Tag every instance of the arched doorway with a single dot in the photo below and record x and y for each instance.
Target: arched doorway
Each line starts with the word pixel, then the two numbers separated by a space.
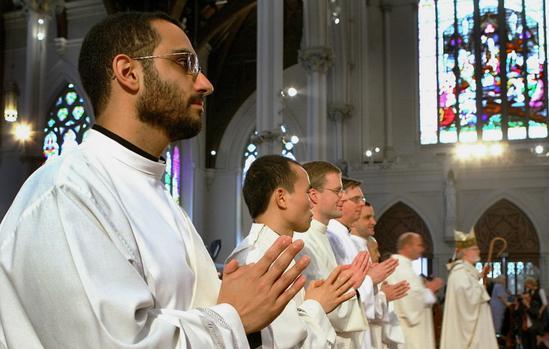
pixel 521 259
pixel 398 219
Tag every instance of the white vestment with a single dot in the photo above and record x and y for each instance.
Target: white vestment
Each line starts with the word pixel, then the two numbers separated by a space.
pixel 385 327
pixel 348 318
pixel 467 322
pixel 345 252
pixel 302 323
pixel 94 253
pixel 414 310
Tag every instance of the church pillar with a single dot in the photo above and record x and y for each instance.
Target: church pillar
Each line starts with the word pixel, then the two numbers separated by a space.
pixel 316 57
pixel 270 35
pixel 339 106
pixel 388 150
pixel 337 114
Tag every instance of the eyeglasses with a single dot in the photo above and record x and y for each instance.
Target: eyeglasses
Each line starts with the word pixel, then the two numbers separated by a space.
pixel 356 199
pixel 186 60
pixel 338 191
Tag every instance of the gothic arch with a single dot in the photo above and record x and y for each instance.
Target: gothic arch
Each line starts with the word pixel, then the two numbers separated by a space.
pixel 396 220
pixel 507 220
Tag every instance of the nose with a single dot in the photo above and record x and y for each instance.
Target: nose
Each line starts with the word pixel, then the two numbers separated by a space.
pixel 202 85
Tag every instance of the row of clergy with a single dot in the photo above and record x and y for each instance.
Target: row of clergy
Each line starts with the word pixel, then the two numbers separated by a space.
pixel 351 299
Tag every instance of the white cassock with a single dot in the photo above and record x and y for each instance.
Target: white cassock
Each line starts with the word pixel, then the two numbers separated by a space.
pixel 414 310
pixel 94 253
pixel 302 323
pixel 345 251
pixel 348 318
pixel 385 327
pixel 467 322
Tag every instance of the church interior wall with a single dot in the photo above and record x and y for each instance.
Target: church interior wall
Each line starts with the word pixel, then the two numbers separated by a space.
pixel 412 173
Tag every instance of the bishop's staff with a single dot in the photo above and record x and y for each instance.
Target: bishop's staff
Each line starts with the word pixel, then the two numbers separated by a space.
pixel 491 253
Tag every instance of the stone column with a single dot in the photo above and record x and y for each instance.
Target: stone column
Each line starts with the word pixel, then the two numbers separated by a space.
pixel 270 36
pixel 338 112
pixel 388 150
pixel 316 57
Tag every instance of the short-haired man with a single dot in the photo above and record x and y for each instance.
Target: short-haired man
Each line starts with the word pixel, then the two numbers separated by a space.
pixel 364 227
pixel 339 235
pixel 326 192
pixel 276 191
pixel 414 310
pixel 94 253
pixel 362 234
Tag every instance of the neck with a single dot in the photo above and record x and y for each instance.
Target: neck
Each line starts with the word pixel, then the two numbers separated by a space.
pixel 128 126
pixel 344 222
pixel 320 217
pixel 276 224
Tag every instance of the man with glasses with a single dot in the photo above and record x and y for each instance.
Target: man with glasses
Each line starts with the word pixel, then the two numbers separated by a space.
pixel 94 253
pixel 325 194
pixel 339 235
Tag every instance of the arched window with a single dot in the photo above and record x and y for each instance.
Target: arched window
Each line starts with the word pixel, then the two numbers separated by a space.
pixel 251 152
pixel 482 70
pixel 67 123
pixel 172 175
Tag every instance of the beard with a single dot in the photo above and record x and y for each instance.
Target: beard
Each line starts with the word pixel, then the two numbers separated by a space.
pixel 161 106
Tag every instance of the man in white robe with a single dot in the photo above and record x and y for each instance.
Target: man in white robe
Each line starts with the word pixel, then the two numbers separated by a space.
pixel 326 192
pixel 94 253
pixel 467 321
pixel 385 329
pixel 345 250
pixel 276 192
pixel 415 310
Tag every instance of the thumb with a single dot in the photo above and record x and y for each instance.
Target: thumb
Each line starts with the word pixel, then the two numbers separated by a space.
pixel 230 267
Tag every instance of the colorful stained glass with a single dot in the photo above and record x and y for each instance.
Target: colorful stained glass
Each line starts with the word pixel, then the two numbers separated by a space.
pixel 172 173
pixel 67 125
pixel 490 61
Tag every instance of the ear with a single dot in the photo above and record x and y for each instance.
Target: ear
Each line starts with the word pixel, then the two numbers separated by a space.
pixel 280 198
pixel 313 196
pixel 126 72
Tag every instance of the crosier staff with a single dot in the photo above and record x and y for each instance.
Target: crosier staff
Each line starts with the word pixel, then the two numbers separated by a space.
pixel 490 254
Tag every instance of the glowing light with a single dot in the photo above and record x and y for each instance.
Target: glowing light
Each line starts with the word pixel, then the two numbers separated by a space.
pixel 496 149
pixel 368 153
pixel 213 153
pixel 292 92
pixel 478 151
pixel 22 132
pixel 336 21
pixel 294 139
pixel 538 149
pixel 377 150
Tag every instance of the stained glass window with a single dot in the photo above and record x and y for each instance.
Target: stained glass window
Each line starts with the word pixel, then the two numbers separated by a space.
pixel 482 70
pixel 172 174
pixel 67 124
pixel 251 152
pixel 516 273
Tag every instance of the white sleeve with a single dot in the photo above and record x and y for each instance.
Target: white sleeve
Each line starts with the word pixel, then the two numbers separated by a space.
pixel 429 297
pixel 381 307
pixel 64 284
pixel 366 292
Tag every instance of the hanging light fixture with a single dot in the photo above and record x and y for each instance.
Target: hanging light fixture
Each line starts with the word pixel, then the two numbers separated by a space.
pixel 11 96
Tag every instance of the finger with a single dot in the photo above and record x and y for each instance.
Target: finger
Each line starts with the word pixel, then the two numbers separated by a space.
pixel 343 278
pixel 344 287
pixel 283 299
pixel 289 276
pixel 346 296
pixel 230 267
pixel 283 261
pixel 278 247
pixel 334 274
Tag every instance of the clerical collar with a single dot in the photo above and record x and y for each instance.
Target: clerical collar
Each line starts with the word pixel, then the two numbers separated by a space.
pixel 125 143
